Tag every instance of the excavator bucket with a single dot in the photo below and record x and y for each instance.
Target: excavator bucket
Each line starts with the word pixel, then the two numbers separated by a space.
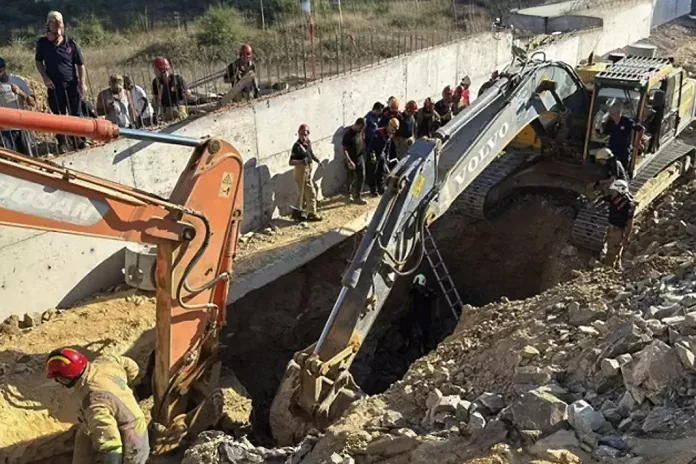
pixel 287 423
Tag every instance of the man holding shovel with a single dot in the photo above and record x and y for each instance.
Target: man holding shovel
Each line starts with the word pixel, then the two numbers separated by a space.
pixel 301 157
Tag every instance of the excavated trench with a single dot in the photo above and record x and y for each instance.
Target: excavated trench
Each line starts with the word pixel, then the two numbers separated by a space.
pixel 522 251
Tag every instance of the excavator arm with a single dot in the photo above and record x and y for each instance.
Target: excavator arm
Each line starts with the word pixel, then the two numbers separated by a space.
pixel 195 231
pixel 317 386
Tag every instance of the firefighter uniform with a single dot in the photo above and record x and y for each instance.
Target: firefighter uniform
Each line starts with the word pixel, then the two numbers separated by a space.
pixel 110 419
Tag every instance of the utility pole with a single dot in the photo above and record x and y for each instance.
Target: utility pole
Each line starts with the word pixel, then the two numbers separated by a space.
pixel 263 18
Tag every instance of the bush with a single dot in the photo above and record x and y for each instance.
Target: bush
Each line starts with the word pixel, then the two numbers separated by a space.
pixel 90 31
pixel 220 28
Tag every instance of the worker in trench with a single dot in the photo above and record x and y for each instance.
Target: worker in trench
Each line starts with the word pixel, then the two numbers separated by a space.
pixel 301 158
pixel 622 208
pixel 112 428
pixel 419 320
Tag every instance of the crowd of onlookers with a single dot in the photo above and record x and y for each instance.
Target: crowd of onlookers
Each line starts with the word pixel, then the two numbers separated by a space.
pixel 61 65
pixel 375 143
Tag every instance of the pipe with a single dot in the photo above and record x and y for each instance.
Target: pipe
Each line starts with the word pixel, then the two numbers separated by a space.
pixel 97 129
pixel 160 137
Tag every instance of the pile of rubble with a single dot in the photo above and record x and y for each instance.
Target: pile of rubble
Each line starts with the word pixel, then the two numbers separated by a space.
pixel 584 372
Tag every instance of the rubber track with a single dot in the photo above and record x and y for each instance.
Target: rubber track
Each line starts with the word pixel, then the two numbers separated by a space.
pixel 590 226
pixel 474 197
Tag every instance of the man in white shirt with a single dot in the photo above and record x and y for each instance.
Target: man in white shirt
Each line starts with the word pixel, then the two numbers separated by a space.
pixel 114 103
pixel 15 93
pixel 141 104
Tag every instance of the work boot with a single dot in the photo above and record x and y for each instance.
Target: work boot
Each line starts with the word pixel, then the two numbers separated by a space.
pixel 314 217
pixel 358 201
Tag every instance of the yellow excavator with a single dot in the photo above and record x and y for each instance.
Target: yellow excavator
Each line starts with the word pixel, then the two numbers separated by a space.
pixel 535 128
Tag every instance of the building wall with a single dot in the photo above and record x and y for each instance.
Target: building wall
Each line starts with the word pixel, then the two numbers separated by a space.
pixel 667 10
pixel 41 270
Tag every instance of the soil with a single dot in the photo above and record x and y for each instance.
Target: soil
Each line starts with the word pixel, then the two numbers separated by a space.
pixel 676 39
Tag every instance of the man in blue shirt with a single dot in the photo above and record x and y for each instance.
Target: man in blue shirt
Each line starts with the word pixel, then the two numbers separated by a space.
pixel 372 121
pixel 61 65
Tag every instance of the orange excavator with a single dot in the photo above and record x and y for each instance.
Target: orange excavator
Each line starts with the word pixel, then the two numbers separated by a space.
pixel 195 231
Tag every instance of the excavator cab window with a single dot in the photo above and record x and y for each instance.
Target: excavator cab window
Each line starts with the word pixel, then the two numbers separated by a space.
pixel 605 98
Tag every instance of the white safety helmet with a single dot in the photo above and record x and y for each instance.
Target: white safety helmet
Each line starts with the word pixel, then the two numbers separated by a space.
pixel 419 280
pixel 620 186
pixel 603 154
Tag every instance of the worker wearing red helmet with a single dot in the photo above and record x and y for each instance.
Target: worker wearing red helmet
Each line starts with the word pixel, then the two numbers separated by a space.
pixel 406 134
pixel 239 68
pixel 301 158
pixel 113 428
pixel 444 106
pixel 427 119
pixel 169 92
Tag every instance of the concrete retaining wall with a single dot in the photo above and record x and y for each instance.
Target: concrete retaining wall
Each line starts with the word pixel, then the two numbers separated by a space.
pixel 43 269
pixel 667 10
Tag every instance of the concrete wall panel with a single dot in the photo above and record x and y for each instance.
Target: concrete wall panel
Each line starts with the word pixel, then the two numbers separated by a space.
pixel 667 10
pixel 359 91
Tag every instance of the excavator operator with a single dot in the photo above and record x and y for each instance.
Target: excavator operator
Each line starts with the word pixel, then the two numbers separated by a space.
pixel 112 429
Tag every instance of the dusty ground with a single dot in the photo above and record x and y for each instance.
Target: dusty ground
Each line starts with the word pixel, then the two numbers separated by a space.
pixel 676 39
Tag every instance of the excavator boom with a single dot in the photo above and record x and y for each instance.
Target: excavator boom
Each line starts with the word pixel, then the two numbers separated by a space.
pixel 195 230
pixel 317 386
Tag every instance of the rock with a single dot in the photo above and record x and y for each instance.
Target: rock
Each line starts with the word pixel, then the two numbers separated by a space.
pixel 613 416
pixel 20 368
pixel 588 330
pixel 601 327
pixel 554 448
pixel 49 315
pixel 529 437
pixel 626 338
pixel 659 419
pixel 624 359
pixel 463 410
pixel 538 410
pixel 604 451
pixel 686 355
pixel 674 320
pixel 338 459
pixel 391 445
pixel 434 398
pixel 585 420
pixel 613 441
pixel 529 352
pixel 392 419
pixel 657 370
pixel 30 320
pixel 494 403
pixel 610 367
pixel 531 375
pixel 581 316
pixel 625 424
pixel 688 300
pixel 690 320
pixel 476 422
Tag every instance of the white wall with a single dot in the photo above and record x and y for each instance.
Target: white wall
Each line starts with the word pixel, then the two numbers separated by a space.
pixel 42 269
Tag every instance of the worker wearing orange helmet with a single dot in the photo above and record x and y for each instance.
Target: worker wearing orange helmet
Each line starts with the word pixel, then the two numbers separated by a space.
pixel 427 119
pixel 444 105
pixel 239 68
pixel 406 135
pixel 169 92
pixel 113 428
pixel 379 152
pixel 301 158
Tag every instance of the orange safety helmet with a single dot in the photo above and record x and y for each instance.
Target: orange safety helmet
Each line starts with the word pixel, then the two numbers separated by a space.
pixel 303 128
pixel 412 106
pixel 447 91
pixel 161 63
pixel 65 363
pixel 245 50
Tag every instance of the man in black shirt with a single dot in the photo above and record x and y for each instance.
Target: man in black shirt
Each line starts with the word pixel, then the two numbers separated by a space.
pixel 427 120
pixel 444 106
pixel 61 65
pixel 240 68
pixel 620 130
pixel 353 149
pixel 301 157
pixel 622 207
pixel 169 93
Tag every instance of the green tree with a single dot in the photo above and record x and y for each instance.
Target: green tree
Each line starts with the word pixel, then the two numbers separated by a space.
pixel 220 27
pixel 90 31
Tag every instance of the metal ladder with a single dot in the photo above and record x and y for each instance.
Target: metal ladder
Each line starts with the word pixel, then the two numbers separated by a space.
pixel 442 275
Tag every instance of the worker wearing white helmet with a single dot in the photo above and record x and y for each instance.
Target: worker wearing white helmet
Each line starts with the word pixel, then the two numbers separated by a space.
pixel 622 208
pixel 612 169
pixel 420 315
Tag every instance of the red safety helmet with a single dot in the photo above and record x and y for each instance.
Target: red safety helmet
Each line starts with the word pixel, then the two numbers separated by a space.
pixel 161 63
pixel 447 91
pixel 303 127
pixel 245 50
pixel 412 106
pixel 459 90
pixel 65 363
